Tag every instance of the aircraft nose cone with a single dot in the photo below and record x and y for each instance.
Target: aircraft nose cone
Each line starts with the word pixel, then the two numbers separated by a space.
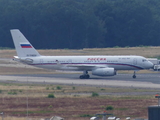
pixel 150 65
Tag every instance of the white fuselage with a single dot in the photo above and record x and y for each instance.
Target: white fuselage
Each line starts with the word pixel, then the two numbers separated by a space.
pixel 80 63
pixel 99 65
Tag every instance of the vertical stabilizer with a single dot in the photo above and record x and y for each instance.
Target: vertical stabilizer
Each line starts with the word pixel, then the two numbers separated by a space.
pixel 22 45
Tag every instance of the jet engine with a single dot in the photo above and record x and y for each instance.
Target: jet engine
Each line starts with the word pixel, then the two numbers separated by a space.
pixel 104 72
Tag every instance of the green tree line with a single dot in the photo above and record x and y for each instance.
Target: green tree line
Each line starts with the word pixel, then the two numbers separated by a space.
pixel 79 24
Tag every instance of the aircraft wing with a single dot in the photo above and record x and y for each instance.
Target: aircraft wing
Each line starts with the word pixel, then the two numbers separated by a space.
pixel 86 66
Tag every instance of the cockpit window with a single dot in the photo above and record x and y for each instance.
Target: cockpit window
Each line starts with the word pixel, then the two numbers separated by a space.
pixel 144 60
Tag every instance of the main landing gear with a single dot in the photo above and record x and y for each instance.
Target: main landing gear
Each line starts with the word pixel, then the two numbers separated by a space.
pixel 134 75
pixel 85 75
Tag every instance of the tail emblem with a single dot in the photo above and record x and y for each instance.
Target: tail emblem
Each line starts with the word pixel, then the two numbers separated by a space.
pixel 26 46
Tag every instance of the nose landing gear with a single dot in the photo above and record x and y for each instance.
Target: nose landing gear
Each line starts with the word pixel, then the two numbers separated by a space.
pixel 134 75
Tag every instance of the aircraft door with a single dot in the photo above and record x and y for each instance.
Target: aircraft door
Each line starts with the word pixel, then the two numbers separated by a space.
pixel 135 61
pixel 41 61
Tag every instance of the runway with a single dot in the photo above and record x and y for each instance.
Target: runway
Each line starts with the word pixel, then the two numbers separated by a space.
pixel 151 80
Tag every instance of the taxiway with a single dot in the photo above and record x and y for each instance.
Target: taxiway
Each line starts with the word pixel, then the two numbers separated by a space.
pixel 151 80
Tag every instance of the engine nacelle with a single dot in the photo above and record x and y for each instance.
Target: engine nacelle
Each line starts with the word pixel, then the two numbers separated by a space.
pixel 104 72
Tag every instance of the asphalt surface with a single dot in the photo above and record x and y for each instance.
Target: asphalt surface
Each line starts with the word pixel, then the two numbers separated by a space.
pixel 151 80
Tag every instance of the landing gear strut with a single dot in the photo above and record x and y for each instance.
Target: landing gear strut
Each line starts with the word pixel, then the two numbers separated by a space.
pixel 134 75
pixel 85 75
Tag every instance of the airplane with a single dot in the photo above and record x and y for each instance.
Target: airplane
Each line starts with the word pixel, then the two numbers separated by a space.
pixel 98 65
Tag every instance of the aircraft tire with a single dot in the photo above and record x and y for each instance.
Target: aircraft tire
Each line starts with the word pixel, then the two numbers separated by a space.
pixel 134 76
pixel 81 77
pixel 84 76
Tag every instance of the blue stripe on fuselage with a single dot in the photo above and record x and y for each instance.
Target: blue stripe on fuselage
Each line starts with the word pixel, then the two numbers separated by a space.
pixel 118 64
